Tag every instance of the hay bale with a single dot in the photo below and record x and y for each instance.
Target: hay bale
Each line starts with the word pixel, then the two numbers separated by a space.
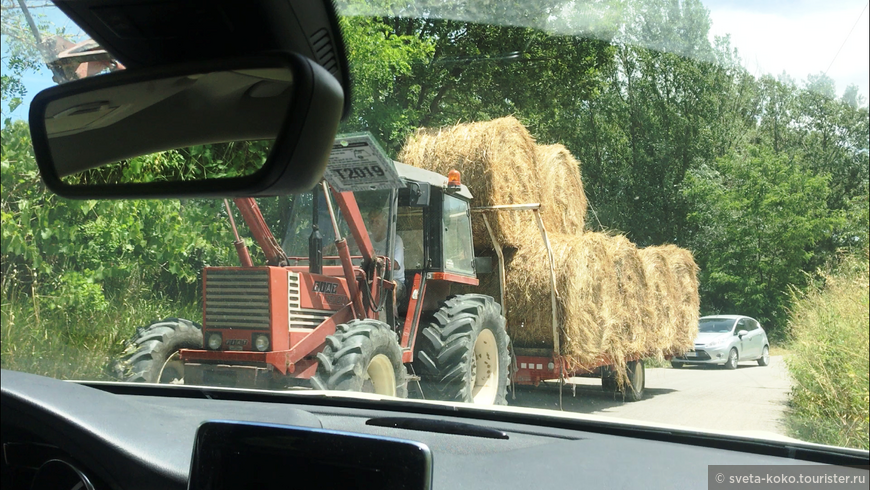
pixel 587 288
pixel 497 162
pixel 688 301
pixel 662 291
pixel 563 201
pixel 614 301
pixel 634 313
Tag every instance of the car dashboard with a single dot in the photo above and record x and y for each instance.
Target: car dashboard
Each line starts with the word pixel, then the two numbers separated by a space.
pixel 125 436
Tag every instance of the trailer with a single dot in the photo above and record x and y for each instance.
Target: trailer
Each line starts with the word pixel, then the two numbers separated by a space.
pixel 531 366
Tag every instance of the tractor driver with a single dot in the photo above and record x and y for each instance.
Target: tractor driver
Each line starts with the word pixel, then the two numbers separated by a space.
pixel 378 227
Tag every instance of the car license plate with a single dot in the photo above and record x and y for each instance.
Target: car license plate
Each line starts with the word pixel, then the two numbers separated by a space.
pixel 691 354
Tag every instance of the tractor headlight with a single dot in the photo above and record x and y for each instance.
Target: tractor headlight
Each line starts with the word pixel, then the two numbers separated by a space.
pixel 215 341
pixel 261 342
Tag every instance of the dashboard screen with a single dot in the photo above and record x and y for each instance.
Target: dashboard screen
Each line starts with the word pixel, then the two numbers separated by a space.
pixel 231 455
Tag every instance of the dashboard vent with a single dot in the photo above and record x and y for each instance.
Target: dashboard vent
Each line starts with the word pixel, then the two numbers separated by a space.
pixel 323 49
pixel 237 299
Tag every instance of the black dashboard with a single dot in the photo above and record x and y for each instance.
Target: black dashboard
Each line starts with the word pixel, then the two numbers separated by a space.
pixel 125 436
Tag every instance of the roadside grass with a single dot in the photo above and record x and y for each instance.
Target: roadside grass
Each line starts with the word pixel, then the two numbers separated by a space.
pixel 52 342
pixel 828 358
pixel 656 362
pixel 780 350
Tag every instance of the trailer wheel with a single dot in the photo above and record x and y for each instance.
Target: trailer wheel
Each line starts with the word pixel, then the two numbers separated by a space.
pixel 608 382
pixel 362 355
pixel 463 352
pixel 151 355
pixel 636 382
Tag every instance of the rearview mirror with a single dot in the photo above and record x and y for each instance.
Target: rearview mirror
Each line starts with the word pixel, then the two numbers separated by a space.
pixel 259 125
pixel 741 333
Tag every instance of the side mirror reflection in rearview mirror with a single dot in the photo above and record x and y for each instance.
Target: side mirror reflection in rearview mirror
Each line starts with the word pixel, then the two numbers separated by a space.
pixel 254 126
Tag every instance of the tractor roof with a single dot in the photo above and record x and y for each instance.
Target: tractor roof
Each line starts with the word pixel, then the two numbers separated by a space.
pixel 415 174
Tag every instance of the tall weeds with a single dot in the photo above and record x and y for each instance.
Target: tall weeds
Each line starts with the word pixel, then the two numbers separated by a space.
pixel 829 362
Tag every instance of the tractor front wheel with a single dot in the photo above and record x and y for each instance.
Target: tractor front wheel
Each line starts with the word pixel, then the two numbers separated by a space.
pixel 463 352
pixel 151 355
pixel 362 355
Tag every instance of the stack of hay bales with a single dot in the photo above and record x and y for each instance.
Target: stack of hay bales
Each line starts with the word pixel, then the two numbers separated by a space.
pixel 493 158
pixel 614 301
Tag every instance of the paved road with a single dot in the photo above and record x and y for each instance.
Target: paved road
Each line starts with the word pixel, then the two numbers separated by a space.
pixel 749 400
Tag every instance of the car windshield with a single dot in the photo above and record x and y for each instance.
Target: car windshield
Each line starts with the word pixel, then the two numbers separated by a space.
pixel 715 325
pixel 617 170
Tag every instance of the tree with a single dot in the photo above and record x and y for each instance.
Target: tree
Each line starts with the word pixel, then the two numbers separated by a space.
pixel 413 73
pixel 759 217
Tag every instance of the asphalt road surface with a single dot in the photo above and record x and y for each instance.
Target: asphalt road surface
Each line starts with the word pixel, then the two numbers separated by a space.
pixel 749 401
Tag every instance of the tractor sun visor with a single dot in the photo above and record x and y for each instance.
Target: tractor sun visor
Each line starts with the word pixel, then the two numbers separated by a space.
pixel 258 125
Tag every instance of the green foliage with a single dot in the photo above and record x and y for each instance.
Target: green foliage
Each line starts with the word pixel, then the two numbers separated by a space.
pixel 829 358
pixel 214 161
pixel 758 218
pixel 78 276
pixel 164 243
pixel 76 344
pixel 410 73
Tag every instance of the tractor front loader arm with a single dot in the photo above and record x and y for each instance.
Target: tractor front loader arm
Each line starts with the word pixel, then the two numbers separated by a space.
pixel 262 234
pixel 347 204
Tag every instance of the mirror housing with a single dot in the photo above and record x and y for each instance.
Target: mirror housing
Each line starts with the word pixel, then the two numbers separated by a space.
pixel 420 194
pixel 279 96
pixel 741 333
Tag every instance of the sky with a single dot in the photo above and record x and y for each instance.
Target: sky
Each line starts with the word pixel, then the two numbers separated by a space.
pixel 800 37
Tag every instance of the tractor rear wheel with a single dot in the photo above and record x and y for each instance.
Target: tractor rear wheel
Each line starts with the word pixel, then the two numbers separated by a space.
pixel 463 352
pixel 151 355
pixel 362 355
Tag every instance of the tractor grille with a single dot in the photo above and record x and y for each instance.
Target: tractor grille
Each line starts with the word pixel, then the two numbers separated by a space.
pixel 302 318
pixel 237 299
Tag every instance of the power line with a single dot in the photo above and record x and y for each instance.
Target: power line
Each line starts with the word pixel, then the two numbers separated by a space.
pixel 847 36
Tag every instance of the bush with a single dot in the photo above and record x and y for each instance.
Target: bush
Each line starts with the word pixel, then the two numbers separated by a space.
pixel 829 362
pixel 77 277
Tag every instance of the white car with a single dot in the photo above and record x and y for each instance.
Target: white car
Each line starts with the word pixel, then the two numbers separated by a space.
pixel 725 340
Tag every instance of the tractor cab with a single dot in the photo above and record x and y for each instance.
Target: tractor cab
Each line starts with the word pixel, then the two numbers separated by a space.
pixel 422 230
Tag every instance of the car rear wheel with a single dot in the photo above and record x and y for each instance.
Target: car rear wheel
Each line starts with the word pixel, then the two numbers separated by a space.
pixel 764 360
pixel 731 363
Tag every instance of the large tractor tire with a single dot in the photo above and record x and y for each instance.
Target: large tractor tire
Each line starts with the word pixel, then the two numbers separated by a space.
pixel 463 352
pixel 362 355
pixel 151 355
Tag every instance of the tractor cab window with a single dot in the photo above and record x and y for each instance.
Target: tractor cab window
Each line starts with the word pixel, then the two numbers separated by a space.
pixel 373 206
pixel 409 226
pixel 458 251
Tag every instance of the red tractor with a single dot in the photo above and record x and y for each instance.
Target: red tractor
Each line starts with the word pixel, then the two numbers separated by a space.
pixel 357 293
